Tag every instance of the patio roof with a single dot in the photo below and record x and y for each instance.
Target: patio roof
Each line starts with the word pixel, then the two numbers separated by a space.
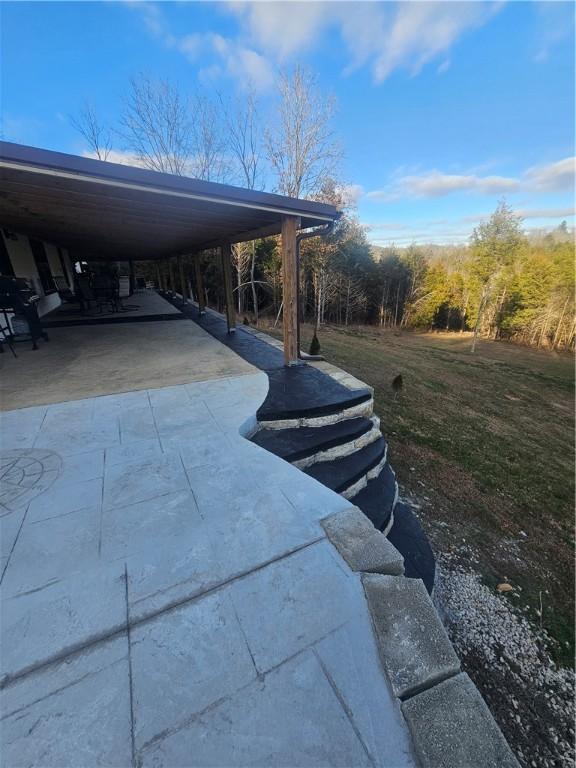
pixel 109 211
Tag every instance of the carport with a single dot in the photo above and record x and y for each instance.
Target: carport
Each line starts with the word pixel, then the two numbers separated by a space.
pixel 105 211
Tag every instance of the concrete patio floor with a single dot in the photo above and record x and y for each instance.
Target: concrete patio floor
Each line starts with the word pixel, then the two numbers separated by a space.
pixel 90 360
pixel 169 597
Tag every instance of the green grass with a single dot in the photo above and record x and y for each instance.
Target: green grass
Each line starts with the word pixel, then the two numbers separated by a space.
pixel 486 440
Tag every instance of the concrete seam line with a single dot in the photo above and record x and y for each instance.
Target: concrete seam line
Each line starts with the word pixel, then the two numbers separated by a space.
pixel 116 631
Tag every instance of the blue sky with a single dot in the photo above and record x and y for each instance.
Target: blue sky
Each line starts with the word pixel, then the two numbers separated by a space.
pixel 443 107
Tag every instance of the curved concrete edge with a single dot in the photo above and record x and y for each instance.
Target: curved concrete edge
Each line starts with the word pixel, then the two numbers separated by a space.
pixel 450 723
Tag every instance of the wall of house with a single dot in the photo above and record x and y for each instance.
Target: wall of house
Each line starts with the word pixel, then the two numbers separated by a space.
pixel 22 260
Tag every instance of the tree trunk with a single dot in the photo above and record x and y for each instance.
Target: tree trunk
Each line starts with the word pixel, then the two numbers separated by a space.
pixel 397 301
pixel 479 318
pixel 347 314
pixel 559 326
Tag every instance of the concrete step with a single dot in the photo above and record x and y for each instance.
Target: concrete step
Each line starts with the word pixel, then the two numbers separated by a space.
pixel 378 499
pixel 303 396
pixel 344 475
pixel 304 444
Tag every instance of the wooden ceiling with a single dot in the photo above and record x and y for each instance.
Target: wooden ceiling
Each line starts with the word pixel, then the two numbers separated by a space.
pixel 107 211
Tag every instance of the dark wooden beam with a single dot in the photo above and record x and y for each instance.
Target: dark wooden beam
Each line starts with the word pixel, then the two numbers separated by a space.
pixel 226 252
pixel 290 226
pixel 183 285
pixel 199 284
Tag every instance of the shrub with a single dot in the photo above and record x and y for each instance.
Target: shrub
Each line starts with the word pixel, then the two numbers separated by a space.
pixel 314 345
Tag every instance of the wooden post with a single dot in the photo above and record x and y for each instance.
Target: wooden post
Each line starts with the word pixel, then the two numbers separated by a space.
pixel 158 276
pixel 199 284
pixel 183 286
pixel 225 252
pixel 132 277
pixel 290 289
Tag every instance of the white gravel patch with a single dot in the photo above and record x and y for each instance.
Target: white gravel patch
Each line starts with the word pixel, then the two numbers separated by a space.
pixel 532 699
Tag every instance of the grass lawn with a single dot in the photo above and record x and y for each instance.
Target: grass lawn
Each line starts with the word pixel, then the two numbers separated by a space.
pixel 484 443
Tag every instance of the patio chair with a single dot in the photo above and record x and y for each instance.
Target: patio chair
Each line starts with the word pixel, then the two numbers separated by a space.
pixel 105 289
pixel 66 295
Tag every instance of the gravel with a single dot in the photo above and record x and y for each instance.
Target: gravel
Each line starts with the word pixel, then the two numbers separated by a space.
pixel 506 656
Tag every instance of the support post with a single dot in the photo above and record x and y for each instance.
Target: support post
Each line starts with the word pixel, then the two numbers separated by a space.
pixel 171 274
pixel 290 289
pixel 225 252
pixel 183 286
pixel 132 277
pixel 158 276
pixel 199 284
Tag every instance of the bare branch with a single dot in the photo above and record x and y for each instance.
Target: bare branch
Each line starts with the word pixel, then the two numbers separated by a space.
pixel 94 132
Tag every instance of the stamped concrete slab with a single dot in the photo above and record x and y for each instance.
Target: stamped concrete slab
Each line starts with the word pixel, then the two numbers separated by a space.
pixel 50 622
pixel 291 719
pixel 198 452
pixel 147 525
pixel 53 549
pixel 350 660
pixel 452 727
pixel 294 602
pixel 137 423
pixel 68 438
pixel 162 576
pixel 361 545
pixel 80 467
pixel 139 480
pixel 19 429
pixel 10 523
pixel 61 499
pixel 414 647
pixel 187 659
pixel 139 450
pixel 74 713
pixel 256 528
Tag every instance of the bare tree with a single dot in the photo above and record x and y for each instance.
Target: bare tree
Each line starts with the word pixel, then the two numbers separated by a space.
pixel 245 145
pixel 155 125
pixel 245 139
pixel 302 149
pixel 94 132
pixel 209 149
pixel 240 259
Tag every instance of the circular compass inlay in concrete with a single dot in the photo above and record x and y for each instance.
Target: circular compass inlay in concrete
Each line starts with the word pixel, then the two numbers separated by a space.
pixel 24 474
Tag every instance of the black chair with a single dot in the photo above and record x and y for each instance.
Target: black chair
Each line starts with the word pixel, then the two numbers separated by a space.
pixel 20 302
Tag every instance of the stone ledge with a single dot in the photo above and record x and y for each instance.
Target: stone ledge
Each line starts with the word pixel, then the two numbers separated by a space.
pixel 363 547
pixel 451 727
pixel 413 644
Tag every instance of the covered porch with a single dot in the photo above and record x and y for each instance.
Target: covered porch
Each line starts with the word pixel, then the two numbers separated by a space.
pixel 101 212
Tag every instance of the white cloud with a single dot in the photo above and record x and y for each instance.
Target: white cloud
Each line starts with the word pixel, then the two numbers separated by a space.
pixel 247 66
pixel 283 28
pixel 234 59
pixel 384 36
pixel 529 213
pixel 438 184
pixel 117 156
pixel 555 24
pixel 387 36
pixel 351 193
pixel 553 177
pixel 422 31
